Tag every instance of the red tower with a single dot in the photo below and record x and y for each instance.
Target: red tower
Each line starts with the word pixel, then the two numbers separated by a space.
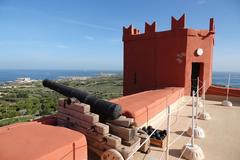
pixel 172 58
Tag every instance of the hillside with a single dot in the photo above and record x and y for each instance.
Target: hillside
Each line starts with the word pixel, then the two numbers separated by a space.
pixel 24 102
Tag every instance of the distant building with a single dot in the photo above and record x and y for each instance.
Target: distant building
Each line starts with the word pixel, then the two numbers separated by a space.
pixel 23 80
pixel 172 58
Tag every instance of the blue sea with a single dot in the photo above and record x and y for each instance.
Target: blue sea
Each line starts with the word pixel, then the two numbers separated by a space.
pixel 220 78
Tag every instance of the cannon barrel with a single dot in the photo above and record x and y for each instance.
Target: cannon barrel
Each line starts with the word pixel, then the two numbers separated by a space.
pixel 105 109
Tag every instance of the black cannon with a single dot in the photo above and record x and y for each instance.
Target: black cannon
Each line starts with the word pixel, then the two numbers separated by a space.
pixel 105 109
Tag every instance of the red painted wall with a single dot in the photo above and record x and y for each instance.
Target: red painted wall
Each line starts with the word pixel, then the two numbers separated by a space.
pixel 222 91
pixel 154 60
pixel 199 39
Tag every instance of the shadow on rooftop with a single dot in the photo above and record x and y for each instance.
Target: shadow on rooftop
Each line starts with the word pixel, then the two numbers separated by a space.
pixel 182 132
pixel 175 152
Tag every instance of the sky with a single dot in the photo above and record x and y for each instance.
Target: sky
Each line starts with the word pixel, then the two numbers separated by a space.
pixel 87 34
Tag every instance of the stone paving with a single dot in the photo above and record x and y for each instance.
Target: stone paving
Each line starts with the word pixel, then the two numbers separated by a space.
pixel 222 132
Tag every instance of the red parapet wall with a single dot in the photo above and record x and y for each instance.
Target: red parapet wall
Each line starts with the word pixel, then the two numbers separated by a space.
pixel 222 91
pixel 37 141
pixel 146 105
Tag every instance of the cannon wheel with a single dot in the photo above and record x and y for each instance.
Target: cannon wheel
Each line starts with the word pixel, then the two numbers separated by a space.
pixel 111 154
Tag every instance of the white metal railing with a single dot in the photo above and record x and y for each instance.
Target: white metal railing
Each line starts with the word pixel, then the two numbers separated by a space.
pixel 168 120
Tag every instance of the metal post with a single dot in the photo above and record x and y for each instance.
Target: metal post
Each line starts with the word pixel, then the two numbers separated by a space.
pixel 228 86
pixel 203 95
pixel 168 133
pixel 193 105
pixel 197 101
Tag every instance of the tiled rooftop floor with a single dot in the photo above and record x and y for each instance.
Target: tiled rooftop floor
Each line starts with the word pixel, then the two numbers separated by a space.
pixel 222 139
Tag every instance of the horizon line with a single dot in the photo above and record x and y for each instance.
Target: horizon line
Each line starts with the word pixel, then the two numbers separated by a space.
pixel 121 70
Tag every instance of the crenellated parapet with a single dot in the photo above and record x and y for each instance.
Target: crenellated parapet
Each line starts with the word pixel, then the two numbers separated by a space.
pixel 130 31
pixel 178 26
pixel 150 28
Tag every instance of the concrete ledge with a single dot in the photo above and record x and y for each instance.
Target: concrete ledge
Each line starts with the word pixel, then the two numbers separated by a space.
pixel 161 116
pixel 144 106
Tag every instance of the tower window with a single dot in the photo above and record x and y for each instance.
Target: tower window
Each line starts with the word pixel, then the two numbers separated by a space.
pixel 135 78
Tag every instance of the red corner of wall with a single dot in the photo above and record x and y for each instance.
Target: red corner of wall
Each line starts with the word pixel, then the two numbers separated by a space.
pixel 211 25
pixel 222 91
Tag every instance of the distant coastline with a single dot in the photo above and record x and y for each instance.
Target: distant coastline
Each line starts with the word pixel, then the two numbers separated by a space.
pixel 12 75
pixel 219 78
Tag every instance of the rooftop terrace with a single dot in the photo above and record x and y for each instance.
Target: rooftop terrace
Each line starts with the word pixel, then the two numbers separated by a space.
pixel 222 133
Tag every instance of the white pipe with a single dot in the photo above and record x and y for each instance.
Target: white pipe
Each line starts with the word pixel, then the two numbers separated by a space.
pixel 168 133
pixel 193 105
pixel 204 96
pixel 197 101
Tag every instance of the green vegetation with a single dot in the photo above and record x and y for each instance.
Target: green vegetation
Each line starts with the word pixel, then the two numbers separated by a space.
pixel 8 121
pixel 25 102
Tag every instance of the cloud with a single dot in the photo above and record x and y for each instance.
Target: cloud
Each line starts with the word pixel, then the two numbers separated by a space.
pixel 95 26
pixel 89 38
pixel 200 2
pixel 65 20
pixel 32 43
pixel 62 46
